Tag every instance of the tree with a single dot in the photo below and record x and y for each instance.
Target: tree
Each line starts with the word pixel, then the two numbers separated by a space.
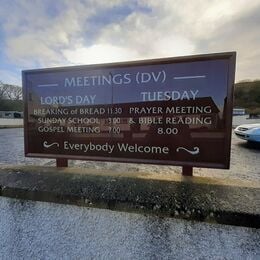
pixel 13 92
pixel 2 91
pixel 247 95
pixel 10 92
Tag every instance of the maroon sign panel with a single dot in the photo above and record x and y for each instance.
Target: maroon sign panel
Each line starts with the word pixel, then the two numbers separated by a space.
pixel 173 111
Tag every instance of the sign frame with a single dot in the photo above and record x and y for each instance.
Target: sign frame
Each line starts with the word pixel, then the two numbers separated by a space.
pixel 230 56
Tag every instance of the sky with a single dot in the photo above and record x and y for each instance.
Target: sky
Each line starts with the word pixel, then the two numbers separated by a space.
pixel 47 33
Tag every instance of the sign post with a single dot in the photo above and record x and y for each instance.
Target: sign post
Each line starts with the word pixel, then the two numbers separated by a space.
pixel 175 111
pixel 61 162
pixel 187 171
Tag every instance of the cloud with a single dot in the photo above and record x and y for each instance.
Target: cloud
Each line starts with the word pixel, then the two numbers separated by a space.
pixel 20 51
pixel 10 77
pixel 36 38
pixel 53 33
pixel 149 35
pixel 99 53
pixel 241 34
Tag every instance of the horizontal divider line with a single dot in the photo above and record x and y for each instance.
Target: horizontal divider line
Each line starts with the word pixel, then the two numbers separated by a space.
pixel 48 85
pixel 191 77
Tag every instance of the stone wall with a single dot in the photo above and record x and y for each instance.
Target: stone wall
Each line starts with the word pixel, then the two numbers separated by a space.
pixel 10 122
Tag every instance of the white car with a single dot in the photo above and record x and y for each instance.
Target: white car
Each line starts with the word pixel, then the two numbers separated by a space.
pixel 249 132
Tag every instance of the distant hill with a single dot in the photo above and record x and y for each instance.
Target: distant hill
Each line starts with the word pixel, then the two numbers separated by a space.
pixel 247 95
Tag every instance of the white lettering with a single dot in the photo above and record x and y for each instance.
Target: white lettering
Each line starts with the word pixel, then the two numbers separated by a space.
pixel 169 95
pixel 124 147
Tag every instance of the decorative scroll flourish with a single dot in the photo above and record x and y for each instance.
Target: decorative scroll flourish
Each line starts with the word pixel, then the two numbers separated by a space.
pixel 194 152
pixel 46 145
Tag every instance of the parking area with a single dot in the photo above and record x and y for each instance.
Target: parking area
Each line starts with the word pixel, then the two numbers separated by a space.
pixel 245 160
pixel 244 165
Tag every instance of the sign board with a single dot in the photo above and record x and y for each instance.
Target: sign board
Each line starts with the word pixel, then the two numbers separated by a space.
pixel 175 111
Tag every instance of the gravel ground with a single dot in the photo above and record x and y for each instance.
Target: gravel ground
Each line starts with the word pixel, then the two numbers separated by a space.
pixel 245 165
pixel 245 160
